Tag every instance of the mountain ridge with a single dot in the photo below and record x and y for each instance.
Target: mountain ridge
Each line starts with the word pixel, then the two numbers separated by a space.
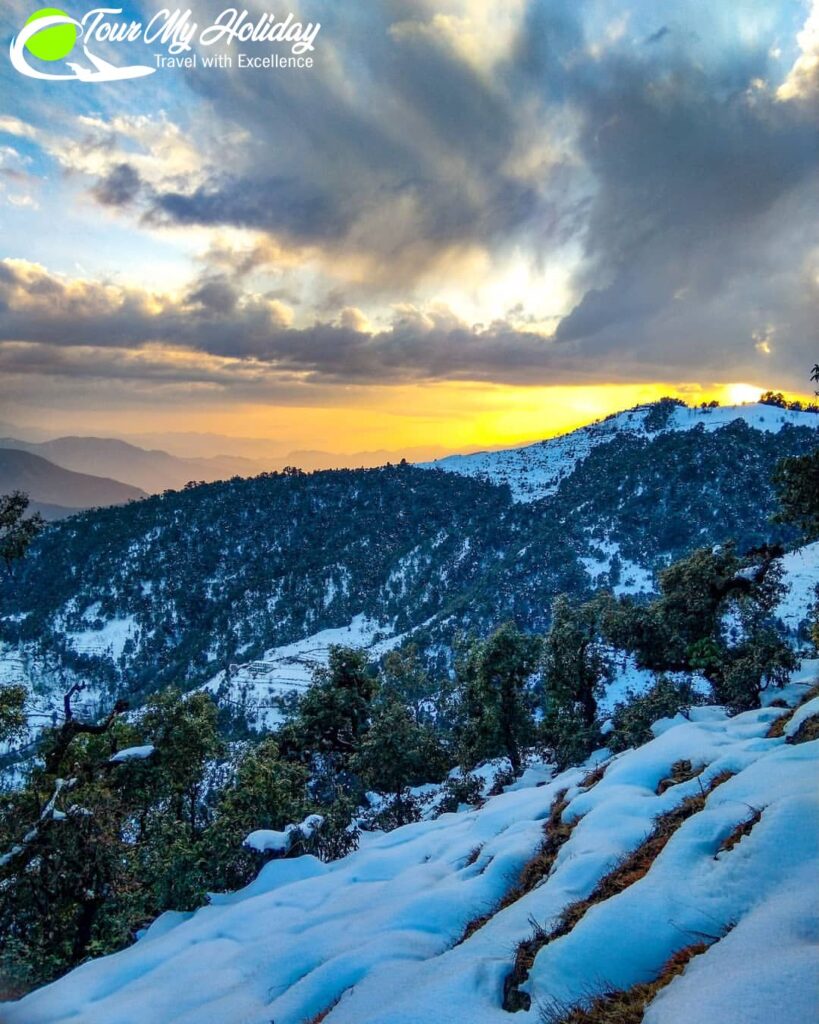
pixel 57 490
pixel 177 587
pixel 535 470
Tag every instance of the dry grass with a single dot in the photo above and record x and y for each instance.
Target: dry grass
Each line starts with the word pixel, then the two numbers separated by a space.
pixel 631 869
pixel 594 776
pixel 473 855
pixel 777 729
pixel 807 731
pixel 626 1006
pixel 555 833
pixel 681 771
pixel 319 1017
pixel 739 832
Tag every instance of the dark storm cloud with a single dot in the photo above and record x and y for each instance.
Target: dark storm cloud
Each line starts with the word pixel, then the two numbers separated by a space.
pixel 705 207
pixel 700 179
pixel 215 294
pixel 120 186
pixel 45 321
pixel 397 141
pixel 662 153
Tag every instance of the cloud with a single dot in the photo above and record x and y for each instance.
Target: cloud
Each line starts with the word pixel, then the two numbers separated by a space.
pixel 120 186
pixel 662 177
pixel 678 168
pixel 15 126
pixel 702 227
pixel 44 316
pixel 216 332
pixel 802 82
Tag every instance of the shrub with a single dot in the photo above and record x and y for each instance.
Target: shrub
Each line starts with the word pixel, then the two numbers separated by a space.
pixel 460 789
pixel 633 719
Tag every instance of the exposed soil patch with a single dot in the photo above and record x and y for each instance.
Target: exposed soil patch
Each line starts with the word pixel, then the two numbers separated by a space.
pixel 681 771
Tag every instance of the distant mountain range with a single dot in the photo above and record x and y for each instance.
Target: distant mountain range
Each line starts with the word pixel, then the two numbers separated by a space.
pixel 155 470
pixel 182 588
pixel 532 471
pixel 56 492
pixel 150 471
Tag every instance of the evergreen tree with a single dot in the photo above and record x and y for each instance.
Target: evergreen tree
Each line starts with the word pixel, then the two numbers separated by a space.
pixel 16 530
pixel 266 792
pixel 797 482
pixel 96 847
pixel 496 702
pixel 686 628
pixel 404 676
pixel 12 712
pixel 574 669
pixel 184 733
pixel 397 753
pixel 334 713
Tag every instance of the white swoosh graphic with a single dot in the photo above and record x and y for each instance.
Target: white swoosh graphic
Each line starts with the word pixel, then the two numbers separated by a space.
pixel 104 72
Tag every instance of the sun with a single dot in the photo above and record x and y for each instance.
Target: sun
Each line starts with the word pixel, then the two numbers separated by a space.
pixel 741 394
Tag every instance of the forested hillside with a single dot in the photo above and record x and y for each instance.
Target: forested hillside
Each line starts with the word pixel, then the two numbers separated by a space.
pixel 176 588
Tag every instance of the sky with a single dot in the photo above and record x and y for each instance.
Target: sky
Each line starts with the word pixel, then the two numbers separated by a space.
pixel 467 224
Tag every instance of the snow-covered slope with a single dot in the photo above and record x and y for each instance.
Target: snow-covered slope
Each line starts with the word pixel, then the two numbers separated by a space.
pixel 535 471
pixel 261 686
pixel 722 864
pixel 801 577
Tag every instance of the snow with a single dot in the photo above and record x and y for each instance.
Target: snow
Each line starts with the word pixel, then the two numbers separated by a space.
pixel 535 471
pixel 268 840
pixel 627 679
pixel 633 579
pixel 801 576
pixel 376 935
pixel 109 640
pixel 23 665
pixel 289 669
pixel 801 715
pixel 132 754
pixel 265 840
pixel 802 680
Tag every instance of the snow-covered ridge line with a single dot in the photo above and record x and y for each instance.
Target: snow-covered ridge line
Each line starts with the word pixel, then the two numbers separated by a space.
pixel 374 938
pixel 534 471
